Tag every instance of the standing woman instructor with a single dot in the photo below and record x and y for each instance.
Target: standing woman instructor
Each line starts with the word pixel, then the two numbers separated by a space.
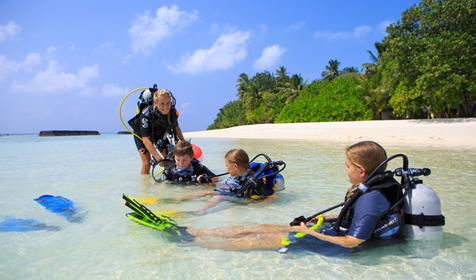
pixel 154 124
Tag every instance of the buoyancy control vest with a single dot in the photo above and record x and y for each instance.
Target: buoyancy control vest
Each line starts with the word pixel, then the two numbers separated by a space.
pixel 189 175
pixel 261 180
pixel 390 221
pixel 161 125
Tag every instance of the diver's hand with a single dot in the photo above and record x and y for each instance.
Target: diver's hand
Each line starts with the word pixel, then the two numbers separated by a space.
pixel 297 221
pixel 301 228
pixel 203 179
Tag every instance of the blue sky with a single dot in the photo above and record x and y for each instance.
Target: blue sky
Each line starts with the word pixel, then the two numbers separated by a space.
pixel 68 64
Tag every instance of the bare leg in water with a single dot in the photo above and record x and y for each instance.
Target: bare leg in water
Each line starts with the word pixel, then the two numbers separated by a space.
pixel 266 237
pixel 145 161
pixel 211 202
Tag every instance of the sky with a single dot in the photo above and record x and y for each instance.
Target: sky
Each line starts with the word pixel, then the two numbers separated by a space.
pixel 67 65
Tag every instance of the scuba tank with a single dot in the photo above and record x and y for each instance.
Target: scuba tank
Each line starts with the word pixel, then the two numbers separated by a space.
pixel 262 179
pixel 145 97
pixel 422 207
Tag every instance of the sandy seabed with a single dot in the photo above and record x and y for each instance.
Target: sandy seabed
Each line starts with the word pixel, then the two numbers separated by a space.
pixel 434 132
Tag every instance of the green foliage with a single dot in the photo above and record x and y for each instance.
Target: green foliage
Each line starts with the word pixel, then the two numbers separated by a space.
pixel 261 98
pixel 425 68
pixel 332 70
pixel 338 100
pixel 232 114
pixel 430 58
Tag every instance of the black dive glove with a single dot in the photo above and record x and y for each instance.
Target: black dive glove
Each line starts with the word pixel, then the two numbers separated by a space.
pixel 298 220
pixel 204 179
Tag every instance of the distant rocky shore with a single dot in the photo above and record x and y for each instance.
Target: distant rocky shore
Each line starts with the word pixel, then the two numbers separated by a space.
pixel 68 132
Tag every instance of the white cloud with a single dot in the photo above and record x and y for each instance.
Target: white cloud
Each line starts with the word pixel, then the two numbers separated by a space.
pixel 10 67
pixel 53 79
pixel 112 90
pixel 269 57
pixel 358 32
pixel 10 30
pixel 225 52
pixel 147 31
pixel 6 67
pixel 31 61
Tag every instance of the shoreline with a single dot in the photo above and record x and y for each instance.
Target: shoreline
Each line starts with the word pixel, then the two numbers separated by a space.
pixel 434 132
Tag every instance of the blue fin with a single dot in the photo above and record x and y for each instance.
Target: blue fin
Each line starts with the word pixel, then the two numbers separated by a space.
pixel 22 225
pixel 60 206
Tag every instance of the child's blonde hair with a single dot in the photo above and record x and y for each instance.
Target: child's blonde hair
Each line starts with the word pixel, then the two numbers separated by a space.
pixel 367 154
pixel 239 157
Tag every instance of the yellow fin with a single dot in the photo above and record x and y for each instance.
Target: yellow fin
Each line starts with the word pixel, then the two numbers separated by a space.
pixel 171 213
pixel 148 200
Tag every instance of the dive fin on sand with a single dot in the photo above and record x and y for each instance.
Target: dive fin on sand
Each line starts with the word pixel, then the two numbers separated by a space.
pixel 148 200
pixel 23 225
pixel 155 200
pixel 162 223
pixel 61 206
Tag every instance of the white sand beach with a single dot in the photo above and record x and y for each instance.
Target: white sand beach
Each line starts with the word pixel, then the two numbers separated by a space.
pixel 435 132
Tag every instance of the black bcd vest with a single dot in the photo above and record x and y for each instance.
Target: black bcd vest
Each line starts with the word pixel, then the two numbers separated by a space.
pixel 389 187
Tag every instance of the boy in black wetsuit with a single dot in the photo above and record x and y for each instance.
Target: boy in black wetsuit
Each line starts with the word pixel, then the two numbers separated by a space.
pixel 186 169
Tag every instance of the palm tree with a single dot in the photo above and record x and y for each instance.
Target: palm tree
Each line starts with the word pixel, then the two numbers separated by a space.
pixel 296 84
pixel 332 70
pixel 243 85
pixel 282 76
pixel 370 68
pixel 349 70
pixel 264 81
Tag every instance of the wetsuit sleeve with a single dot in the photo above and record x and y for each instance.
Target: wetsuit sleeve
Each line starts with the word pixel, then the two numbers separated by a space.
pixel 145 123
pixel 202 169
pixel 367 212
pixel 228 186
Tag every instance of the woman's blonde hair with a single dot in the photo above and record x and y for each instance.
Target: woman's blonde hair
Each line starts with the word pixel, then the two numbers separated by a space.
pixel 161 92
pixel 368 155
pixel 239 157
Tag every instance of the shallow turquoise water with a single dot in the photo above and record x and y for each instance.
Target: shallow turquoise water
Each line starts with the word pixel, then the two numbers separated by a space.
pixel 94 171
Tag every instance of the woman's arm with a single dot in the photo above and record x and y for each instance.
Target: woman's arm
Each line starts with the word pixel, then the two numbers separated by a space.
pixel 346 241
pixel 150 147
pixel 179 133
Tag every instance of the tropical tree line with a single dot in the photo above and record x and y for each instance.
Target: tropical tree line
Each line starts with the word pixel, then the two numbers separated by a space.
pixel 260 98
pixel 424 68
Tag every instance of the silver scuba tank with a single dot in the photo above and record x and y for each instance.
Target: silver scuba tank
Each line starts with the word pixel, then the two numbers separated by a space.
pixel 145 98
pixel 279 182
pixel 422 212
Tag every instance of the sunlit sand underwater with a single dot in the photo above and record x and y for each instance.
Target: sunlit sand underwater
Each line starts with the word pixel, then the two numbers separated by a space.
pixel 94 171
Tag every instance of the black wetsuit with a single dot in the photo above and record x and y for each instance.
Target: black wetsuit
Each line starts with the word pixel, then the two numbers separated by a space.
pixel 189 175
pixel 151 123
